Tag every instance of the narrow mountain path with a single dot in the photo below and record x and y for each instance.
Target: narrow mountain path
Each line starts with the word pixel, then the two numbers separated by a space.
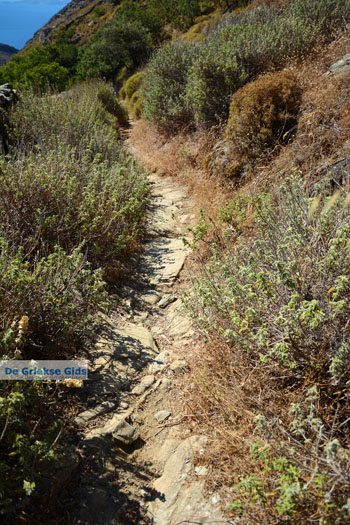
pixel 141 460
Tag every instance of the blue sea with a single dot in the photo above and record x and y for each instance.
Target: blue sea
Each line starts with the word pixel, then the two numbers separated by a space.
pixel 20 19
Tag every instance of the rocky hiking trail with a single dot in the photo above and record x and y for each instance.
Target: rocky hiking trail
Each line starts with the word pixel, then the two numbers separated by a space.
pixel 139 457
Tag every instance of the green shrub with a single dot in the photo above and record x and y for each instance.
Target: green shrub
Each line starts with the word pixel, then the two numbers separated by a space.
pixel 49 67
pixel 76 118
pixel 147 14
pixel 29 433
pixel 263 112
pixel 237 50
pixel 179 13
pixel 277 303
pixel 56 199
pixel 118 45
pixel 293 275
pixel 121 93
pixel 164 89
pixel 98 12
pixel 111 104
pixel 72 201
pixel 136 104
pixel 301 471
pixel 46 307
pixel 133 84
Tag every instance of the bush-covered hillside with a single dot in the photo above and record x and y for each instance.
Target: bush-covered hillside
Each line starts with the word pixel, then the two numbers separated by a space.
pixel 109 40
pixel 274 310
pixel 195 83
pixel 72 210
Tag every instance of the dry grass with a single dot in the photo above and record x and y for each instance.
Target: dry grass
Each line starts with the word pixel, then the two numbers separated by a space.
pixel 223 396
pixel 182 157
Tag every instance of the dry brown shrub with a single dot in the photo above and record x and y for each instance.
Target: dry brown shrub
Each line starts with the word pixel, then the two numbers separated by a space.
pixel 322 136
pixel 263 113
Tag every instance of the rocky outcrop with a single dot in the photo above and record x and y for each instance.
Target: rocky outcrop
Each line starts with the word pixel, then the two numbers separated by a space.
pixel 341 67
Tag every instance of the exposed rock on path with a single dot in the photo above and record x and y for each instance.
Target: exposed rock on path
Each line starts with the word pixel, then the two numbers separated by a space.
pixel 138 457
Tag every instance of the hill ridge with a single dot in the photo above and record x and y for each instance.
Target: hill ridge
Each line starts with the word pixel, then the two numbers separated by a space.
pixel 73 12
pixel 6 52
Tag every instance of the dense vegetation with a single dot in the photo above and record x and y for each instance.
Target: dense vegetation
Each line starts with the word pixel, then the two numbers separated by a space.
pixel 121 44
pixel 278 303
pixel 196 83
pixel 72 205
pixel 43 67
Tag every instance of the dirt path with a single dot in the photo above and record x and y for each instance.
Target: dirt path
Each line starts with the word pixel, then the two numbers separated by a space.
pixel 141 460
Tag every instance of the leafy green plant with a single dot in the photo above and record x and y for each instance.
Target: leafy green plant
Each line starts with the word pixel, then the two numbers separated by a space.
pixel 276 304
pixel 148 15
pixel 28 439
pixel 72 209
pixel 302 471
pixel 136 104
pixel 111 104
pixel 49 304
pixel 164 89
pixel 117 45
pixel 77 119
pixel 56 199
pixel 49 67
pixel 293 275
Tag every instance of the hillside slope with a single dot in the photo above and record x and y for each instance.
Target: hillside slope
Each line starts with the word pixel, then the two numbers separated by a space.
pixel 85 16
pixel 6 53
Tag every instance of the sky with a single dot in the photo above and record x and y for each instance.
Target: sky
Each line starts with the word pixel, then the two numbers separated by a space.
pixel 19 19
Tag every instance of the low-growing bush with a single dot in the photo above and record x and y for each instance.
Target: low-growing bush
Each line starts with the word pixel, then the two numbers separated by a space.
pixel 43 67
pixel 111 104
pixel 293 276
pixel 277 304
pixel 76 118
pixel 300 471
pixel 164 89
pixel 263 113
pixel 133 84
pixel 119 44
pixel 47 307
pixel 57 199
pixel 247 43
pixel 200 30
pixel 136 104
pixel 28 436
pixel 149 15
pixel 72 209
